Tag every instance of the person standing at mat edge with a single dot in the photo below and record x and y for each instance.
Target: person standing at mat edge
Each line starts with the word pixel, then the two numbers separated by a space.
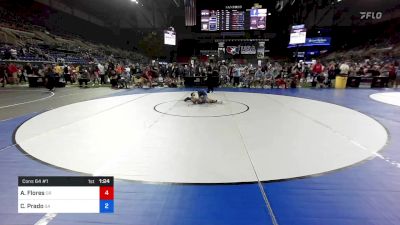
pixel 236 75
pixel 212 78
pixel 50 79
pixel 3 74
pixel 397 80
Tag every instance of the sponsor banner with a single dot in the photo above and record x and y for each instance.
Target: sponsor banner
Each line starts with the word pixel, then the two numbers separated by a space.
pixel 248 50
pixel 233 50
pixel 298 27
pixel 317 41
pixel 208 52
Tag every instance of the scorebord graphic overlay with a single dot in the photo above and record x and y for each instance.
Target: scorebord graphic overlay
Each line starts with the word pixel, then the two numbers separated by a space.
pixel 65 194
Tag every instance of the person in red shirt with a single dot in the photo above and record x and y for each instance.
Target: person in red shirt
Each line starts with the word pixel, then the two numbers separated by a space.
pixel 148 76
pixel 119 69
pixel 392 75
pixel 317 69
pixel 13 73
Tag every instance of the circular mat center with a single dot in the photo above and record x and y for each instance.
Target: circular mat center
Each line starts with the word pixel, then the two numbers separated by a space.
pixel 187 109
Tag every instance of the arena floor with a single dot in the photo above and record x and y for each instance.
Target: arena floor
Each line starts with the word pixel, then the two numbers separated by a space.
pixel 292 157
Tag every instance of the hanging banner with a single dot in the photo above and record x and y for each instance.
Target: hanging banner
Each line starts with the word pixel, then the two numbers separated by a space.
pixel 221 49
pixel 190 12
pixel 221 52
pixel 261 50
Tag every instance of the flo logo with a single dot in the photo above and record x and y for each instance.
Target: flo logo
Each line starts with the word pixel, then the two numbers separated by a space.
pixel 371 15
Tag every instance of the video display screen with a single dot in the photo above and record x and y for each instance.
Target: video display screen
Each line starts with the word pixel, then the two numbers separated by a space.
pixel 298 35
pixel 169 37
pixel 258 19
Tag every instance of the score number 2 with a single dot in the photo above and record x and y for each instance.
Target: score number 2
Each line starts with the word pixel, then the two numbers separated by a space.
pixel 106 206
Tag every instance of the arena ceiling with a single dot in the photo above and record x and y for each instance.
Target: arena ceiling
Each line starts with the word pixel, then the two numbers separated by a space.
pixel 159 14
pixel 122 13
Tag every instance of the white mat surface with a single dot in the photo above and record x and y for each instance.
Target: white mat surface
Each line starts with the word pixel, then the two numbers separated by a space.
pixel 125 137
pixel 392 98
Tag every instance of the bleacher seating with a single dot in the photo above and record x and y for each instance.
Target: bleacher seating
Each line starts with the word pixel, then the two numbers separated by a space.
pixel 18 32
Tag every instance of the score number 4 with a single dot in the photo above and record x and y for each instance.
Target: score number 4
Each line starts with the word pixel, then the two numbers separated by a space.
pixel 106 193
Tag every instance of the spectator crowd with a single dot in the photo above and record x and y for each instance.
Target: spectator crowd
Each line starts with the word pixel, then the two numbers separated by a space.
pixel 269 75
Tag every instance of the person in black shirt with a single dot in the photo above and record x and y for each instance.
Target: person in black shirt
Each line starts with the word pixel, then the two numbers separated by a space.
pixel 360 71
pixel 28 71
pixel 67 76
pixel 210 87
pixel 3 74
pixel 50 77
pixel 375 72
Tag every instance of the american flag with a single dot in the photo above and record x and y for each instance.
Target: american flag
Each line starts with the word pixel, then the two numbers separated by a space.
pixel 190 12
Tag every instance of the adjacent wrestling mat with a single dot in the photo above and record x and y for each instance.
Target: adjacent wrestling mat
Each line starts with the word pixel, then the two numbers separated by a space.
pixel 392 98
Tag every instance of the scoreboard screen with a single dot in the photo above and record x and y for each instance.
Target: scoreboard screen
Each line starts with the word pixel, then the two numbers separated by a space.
pixel 222 20
pixel 65 195
pixel 233 19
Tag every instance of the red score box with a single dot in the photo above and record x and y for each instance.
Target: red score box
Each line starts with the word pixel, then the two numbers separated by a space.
pixel 106 193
